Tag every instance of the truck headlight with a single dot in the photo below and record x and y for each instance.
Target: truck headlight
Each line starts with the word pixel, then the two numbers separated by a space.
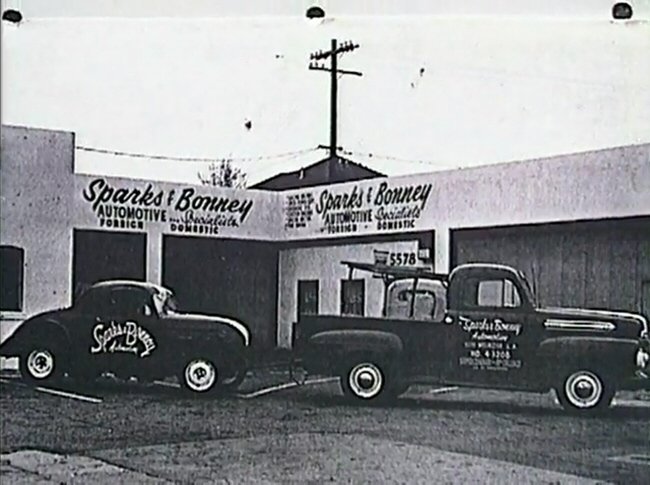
pixel 642 358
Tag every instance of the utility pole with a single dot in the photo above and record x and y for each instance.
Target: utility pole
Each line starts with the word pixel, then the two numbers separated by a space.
pixel 334 71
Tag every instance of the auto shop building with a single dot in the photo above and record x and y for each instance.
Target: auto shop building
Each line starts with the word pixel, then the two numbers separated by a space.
pixel 578 225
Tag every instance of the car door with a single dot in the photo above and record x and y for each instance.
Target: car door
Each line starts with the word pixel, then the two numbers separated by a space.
pixel 494 332
pixel 83 321
pixel 123 337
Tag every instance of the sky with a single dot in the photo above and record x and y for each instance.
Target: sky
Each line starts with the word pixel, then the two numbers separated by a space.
pixel 442 87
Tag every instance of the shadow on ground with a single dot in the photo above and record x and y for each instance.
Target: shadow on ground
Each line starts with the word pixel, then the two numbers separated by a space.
pixel 618 412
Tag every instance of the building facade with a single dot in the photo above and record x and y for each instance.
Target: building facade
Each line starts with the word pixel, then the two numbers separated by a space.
pixel 577 225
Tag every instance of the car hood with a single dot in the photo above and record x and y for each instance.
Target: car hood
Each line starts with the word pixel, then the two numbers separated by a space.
pixel 579 319
pixel 213 319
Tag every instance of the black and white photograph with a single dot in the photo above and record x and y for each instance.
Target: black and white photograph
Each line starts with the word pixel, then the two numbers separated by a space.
pixel 324 241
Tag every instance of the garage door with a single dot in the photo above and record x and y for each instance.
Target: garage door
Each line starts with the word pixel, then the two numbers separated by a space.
pixel 225 277
pixel 105 255
pixel 595 264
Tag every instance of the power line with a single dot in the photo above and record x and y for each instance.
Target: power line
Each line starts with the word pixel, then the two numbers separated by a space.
pixel 119 153
pixel 392 158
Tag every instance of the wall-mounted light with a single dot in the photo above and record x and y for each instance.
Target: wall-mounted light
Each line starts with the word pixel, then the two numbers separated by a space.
pixel 13 16
pixel 622 11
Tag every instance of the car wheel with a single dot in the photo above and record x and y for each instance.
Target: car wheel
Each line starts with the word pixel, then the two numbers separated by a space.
pixel 200 376
pixel 584 391
pixel 366 381
pixel 41 365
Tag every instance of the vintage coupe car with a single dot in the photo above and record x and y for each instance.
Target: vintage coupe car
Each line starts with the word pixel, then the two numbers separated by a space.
pixel 131 329
pixel 478 327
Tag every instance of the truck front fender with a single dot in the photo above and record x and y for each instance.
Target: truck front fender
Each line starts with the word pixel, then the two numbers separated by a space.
pixel 615 356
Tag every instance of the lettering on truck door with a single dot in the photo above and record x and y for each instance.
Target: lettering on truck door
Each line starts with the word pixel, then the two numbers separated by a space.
pixel 494 332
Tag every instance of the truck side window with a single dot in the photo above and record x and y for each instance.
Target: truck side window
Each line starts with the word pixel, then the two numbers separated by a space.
pixel 353 297
pixel 500 293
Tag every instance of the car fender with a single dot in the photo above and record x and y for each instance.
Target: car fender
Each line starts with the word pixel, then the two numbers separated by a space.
pixel 226 350
pixel 30 331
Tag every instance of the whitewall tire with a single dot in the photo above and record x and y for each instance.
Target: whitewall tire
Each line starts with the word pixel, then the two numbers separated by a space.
pixel 200 376
pixel 40 365
pixel 585 390
pixel 366 381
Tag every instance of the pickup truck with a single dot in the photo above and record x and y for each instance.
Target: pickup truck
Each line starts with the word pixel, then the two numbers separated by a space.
pixel 131 329
pixel 479 326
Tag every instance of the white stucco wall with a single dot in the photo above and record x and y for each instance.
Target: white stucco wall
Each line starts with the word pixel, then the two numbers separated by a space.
pixel 592 185
pixel 36 194
pixel 323 264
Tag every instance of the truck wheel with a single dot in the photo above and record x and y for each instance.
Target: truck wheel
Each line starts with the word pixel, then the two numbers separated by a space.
pixel 200 376
pixel 585 391
pixel 41 365
pixel 366 381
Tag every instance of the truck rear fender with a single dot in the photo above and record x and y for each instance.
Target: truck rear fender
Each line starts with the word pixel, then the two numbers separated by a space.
pixel 335 344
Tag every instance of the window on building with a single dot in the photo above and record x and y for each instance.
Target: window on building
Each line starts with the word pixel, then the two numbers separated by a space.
pixel 498 293
pixel 11 278
pixel 307 297
pixel 353 299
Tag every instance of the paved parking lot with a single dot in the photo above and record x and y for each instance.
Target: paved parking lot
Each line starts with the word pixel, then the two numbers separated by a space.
pixel 275 431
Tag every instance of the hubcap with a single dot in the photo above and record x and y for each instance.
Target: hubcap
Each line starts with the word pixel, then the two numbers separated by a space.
pixel 583 389
pixel 366 380
pixel 200 375
pixel 40 364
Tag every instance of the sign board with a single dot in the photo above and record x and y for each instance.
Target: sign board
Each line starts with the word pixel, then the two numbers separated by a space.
pixel 369 207
pixel 117 204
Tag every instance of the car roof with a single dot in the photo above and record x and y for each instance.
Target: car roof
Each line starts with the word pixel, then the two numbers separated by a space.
pixel 130 284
